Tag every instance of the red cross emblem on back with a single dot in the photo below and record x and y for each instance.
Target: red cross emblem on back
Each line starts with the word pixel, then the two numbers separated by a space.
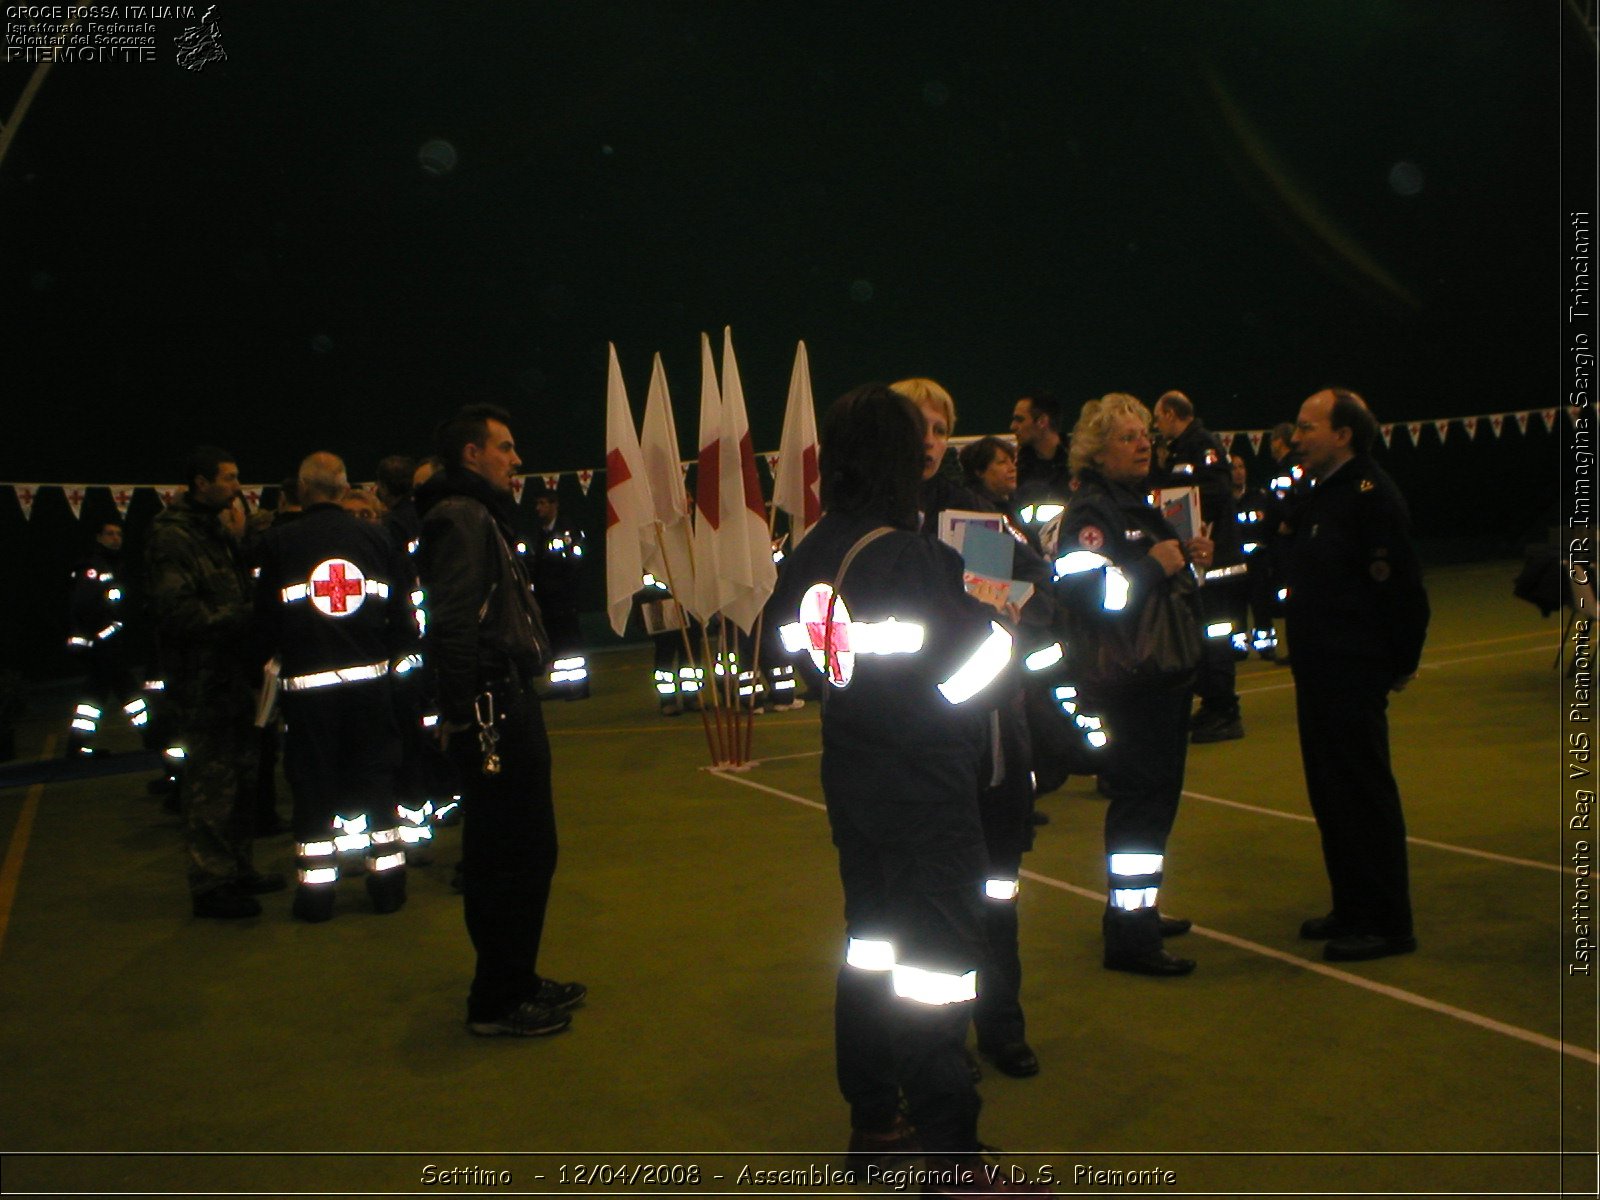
pixel 827 625
pixel 337 587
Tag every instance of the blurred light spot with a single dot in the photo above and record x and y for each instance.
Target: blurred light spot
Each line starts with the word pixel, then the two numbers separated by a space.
pixel 861 291
pixel 935 94
pixel 1405 178
pixel 437 157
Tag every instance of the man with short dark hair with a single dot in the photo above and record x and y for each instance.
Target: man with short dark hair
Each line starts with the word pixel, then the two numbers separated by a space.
pixel 1042 470
pixel 485 647
pixel 200 600
pixel 1196 457
pixel 1358 616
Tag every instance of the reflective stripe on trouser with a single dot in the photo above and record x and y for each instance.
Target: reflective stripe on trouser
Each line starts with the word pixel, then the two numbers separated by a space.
pixel 1133 880
pixel 317 863
pixel 573 669
pixel 350 834
pixel 414 827
pixel 386 851
pixel 666 684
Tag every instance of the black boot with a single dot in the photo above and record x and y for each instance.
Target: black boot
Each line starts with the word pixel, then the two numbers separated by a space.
pixel 1133 944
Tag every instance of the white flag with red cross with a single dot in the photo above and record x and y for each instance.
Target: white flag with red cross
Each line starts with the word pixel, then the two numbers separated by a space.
pixel 748 561
pixel 796 487
pixel 710 587
pixel 668 554
pixel 627 501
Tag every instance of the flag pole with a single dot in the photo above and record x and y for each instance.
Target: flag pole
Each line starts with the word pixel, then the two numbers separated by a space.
pixel 683 627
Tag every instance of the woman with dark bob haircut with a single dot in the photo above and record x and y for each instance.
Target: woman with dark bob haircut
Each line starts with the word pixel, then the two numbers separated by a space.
pixel 912 664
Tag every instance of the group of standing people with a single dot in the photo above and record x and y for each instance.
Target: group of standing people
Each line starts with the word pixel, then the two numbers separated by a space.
pixel 927 766
pixel 344 611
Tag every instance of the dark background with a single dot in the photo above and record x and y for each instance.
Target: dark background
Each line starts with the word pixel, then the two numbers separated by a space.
pixel 1244 200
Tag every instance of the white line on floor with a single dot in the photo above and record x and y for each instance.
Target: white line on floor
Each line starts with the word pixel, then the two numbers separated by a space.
pixel 1381 989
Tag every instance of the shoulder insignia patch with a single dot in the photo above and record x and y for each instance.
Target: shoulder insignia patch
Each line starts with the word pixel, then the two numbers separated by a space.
pixel 1379 570
pixel 1366 485
pixel 1090 537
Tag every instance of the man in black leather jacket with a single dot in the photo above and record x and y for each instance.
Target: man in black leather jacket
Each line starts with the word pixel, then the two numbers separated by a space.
pixel 485 646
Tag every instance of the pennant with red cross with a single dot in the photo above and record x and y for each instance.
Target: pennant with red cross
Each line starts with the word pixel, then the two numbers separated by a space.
pixel 74 492
pixel 1255 436
pixel 1470 424
pixel 167 495
pixel 1414 428
pixel 122 496
pixel 252 496
pixel 1522 421
pixel 1549 417
pixel 26 494
pixel 1443 428
pixel 1387 431
pixel 585 478
pixel 550 482
pixel 517 482
pixel 1497 422
pixel 772 464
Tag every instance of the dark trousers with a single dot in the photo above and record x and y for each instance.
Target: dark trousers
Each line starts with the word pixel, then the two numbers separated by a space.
pixel 998 1016
pixel 913 876
pixel 1344 744
pixel 508 852
pixel 341 748
pixel 1143 772
pixel 219 825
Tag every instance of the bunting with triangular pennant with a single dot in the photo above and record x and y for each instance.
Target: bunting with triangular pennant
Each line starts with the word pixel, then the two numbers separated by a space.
pixel 1414 428
pixel 1549 417
pixel 550 482
pixel 167 495
pixel 518 482
pixel 585 478
pixel 1443 429
pixel 1387 431
pixel 1255 440
pixel 1497 422
pixel 1522 421
pixel 26 494
pixel 74 494
pixel 1470 424
pixel 122 496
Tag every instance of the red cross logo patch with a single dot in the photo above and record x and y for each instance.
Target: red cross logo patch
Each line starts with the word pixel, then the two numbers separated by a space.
pixel 337 587
pixel 827 625
pixel 1090 537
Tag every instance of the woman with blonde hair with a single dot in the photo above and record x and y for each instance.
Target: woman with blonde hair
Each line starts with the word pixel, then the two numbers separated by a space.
pixel 1128 583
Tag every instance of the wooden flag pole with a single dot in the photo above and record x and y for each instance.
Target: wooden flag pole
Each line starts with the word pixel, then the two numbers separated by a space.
pixel 683 629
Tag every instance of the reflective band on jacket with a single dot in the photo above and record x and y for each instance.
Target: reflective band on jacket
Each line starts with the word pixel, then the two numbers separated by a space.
pixel 986 663
pixel 1216 573
pixel 313 876
pixel 869 954
pixel 934 987
pixel 1077 562
pixel 315 849
pixel 300 683
pixel 1039 660
pixel 1000 889
pixel 386 862
pixel 302 591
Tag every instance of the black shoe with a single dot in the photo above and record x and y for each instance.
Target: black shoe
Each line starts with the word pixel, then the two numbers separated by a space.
pixel 1320 929
pixel 1039 818
pixel 1175 926
pixel 1153 962
pixel 1224 729
pixel 1358 947
pixel 313 903
pixel 1204 717
pixel 870 1150
pixel 226 904
pixel 387 890
pixel 255 883
pixel 562 997
pixel 525 1020
pixel 1015 1059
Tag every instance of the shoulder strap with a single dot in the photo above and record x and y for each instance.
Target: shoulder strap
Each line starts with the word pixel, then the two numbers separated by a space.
pixel 862 543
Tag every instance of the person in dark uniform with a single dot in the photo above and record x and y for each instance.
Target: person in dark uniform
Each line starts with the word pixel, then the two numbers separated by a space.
pixel 910 660
pixel 333 605
pixel 1287 490
pixel 95 637
pixel 1195 457
pixel 485 647
pixel 1251 509
pixel 1358 615
pixel 557 573
pixel 1118 556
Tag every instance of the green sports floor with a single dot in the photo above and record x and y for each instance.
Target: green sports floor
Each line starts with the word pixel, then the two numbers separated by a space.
pixel 146 1052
